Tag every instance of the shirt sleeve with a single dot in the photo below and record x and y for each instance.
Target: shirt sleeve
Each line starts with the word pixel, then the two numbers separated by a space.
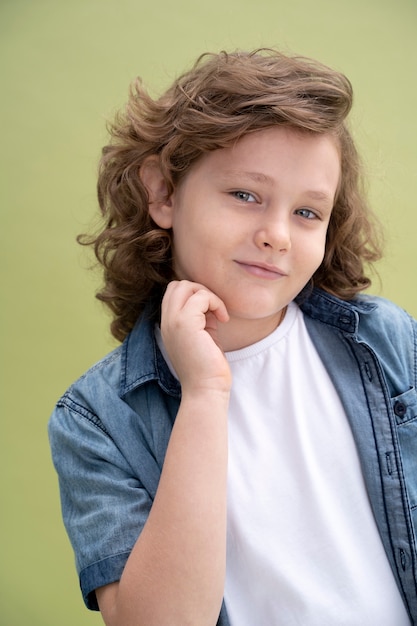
pixel 105 504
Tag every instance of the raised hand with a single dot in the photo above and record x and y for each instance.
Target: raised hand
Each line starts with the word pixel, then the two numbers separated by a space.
pixel 191 314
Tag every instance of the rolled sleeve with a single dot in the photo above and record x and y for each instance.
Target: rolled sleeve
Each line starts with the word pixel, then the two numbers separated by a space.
pixel 104 503
pixel 98 574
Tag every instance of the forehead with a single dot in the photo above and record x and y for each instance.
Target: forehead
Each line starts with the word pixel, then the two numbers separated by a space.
pixel 281 139
pixel 272 155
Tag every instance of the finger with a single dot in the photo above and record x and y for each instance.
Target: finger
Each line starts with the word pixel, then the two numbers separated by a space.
pixel 206 302
pixel 195 298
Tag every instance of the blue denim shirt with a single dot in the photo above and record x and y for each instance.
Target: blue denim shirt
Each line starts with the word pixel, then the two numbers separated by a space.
pixel 110 430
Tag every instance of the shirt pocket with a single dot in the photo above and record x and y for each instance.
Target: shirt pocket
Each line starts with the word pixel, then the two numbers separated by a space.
pixel 405 412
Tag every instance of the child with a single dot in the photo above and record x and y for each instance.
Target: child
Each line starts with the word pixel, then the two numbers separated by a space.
pixel 247 455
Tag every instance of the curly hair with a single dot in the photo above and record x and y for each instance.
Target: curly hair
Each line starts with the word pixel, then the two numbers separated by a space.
pixel 223 97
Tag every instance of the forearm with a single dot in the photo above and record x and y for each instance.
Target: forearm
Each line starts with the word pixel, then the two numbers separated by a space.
pixel 175 573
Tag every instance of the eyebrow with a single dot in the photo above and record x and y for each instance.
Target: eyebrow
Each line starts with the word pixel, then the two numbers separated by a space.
pixel 259 177
pixel 322 196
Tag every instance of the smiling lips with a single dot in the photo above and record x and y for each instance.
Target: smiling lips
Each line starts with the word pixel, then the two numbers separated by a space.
pixel 261 270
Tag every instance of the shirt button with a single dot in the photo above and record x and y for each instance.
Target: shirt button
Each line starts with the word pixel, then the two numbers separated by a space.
pixel 400 408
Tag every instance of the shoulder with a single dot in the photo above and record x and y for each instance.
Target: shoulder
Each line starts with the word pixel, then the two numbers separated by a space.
pixel 363 315
pixel 368 327
pixel 94 396
pixel 125 367
pixel 384 327
pixel 132 379
pixel 87 405
pixel 380 304
pixel 384 319
pixel 391 334
pixel 102 377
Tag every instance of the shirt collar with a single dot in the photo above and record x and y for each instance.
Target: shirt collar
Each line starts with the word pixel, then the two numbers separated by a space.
pixel 342 314
pixel 143 362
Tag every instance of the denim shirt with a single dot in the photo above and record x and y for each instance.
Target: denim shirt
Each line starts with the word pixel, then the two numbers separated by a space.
pixel 110 431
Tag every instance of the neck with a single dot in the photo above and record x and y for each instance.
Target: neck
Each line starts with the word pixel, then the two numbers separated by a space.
pixel 239 333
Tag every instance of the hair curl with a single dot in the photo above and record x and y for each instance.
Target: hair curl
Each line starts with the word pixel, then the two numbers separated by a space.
pixel 223 97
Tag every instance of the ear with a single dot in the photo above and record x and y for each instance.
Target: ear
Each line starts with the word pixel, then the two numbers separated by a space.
pixel 160 205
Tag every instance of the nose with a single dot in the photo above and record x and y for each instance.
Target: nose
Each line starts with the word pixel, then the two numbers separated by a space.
pixel 274 234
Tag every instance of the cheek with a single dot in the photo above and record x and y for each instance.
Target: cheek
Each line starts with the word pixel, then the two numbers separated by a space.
pixel 311 254
pixel 189 256
pixel 321 252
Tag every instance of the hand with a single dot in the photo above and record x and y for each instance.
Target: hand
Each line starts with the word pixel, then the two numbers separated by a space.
pixel 190 317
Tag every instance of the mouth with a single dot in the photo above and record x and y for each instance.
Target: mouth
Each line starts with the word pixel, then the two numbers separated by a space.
pixel 261 270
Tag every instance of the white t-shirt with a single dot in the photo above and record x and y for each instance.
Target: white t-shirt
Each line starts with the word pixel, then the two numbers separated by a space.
pixel 302 544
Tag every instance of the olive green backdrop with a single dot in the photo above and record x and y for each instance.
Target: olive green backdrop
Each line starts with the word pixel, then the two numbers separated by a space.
pixel 65 68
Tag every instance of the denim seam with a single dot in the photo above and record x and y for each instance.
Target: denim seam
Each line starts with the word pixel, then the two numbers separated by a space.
pixel 407 422
pixel 113 356
pixel 69 403
pixel 106 558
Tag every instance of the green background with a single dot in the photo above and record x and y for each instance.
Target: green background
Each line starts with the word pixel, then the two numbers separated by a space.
pixel 65 68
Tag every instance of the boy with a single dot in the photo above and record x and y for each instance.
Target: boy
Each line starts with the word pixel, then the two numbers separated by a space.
pixel 252 439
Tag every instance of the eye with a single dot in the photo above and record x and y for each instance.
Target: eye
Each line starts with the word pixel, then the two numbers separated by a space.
pixel 307 213
pixel 244 196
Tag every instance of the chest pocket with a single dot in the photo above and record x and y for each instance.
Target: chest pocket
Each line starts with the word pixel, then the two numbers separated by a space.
pixel 405 411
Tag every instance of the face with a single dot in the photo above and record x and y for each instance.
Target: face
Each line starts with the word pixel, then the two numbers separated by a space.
pixel 249 222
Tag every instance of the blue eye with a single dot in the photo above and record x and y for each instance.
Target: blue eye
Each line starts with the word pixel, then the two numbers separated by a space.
pixel 307 213
pixel 244 196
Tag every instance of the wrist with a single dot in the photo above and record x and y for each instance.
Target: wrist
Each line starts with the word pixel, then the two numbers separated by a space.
pixel 206 398
pixel 217 384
